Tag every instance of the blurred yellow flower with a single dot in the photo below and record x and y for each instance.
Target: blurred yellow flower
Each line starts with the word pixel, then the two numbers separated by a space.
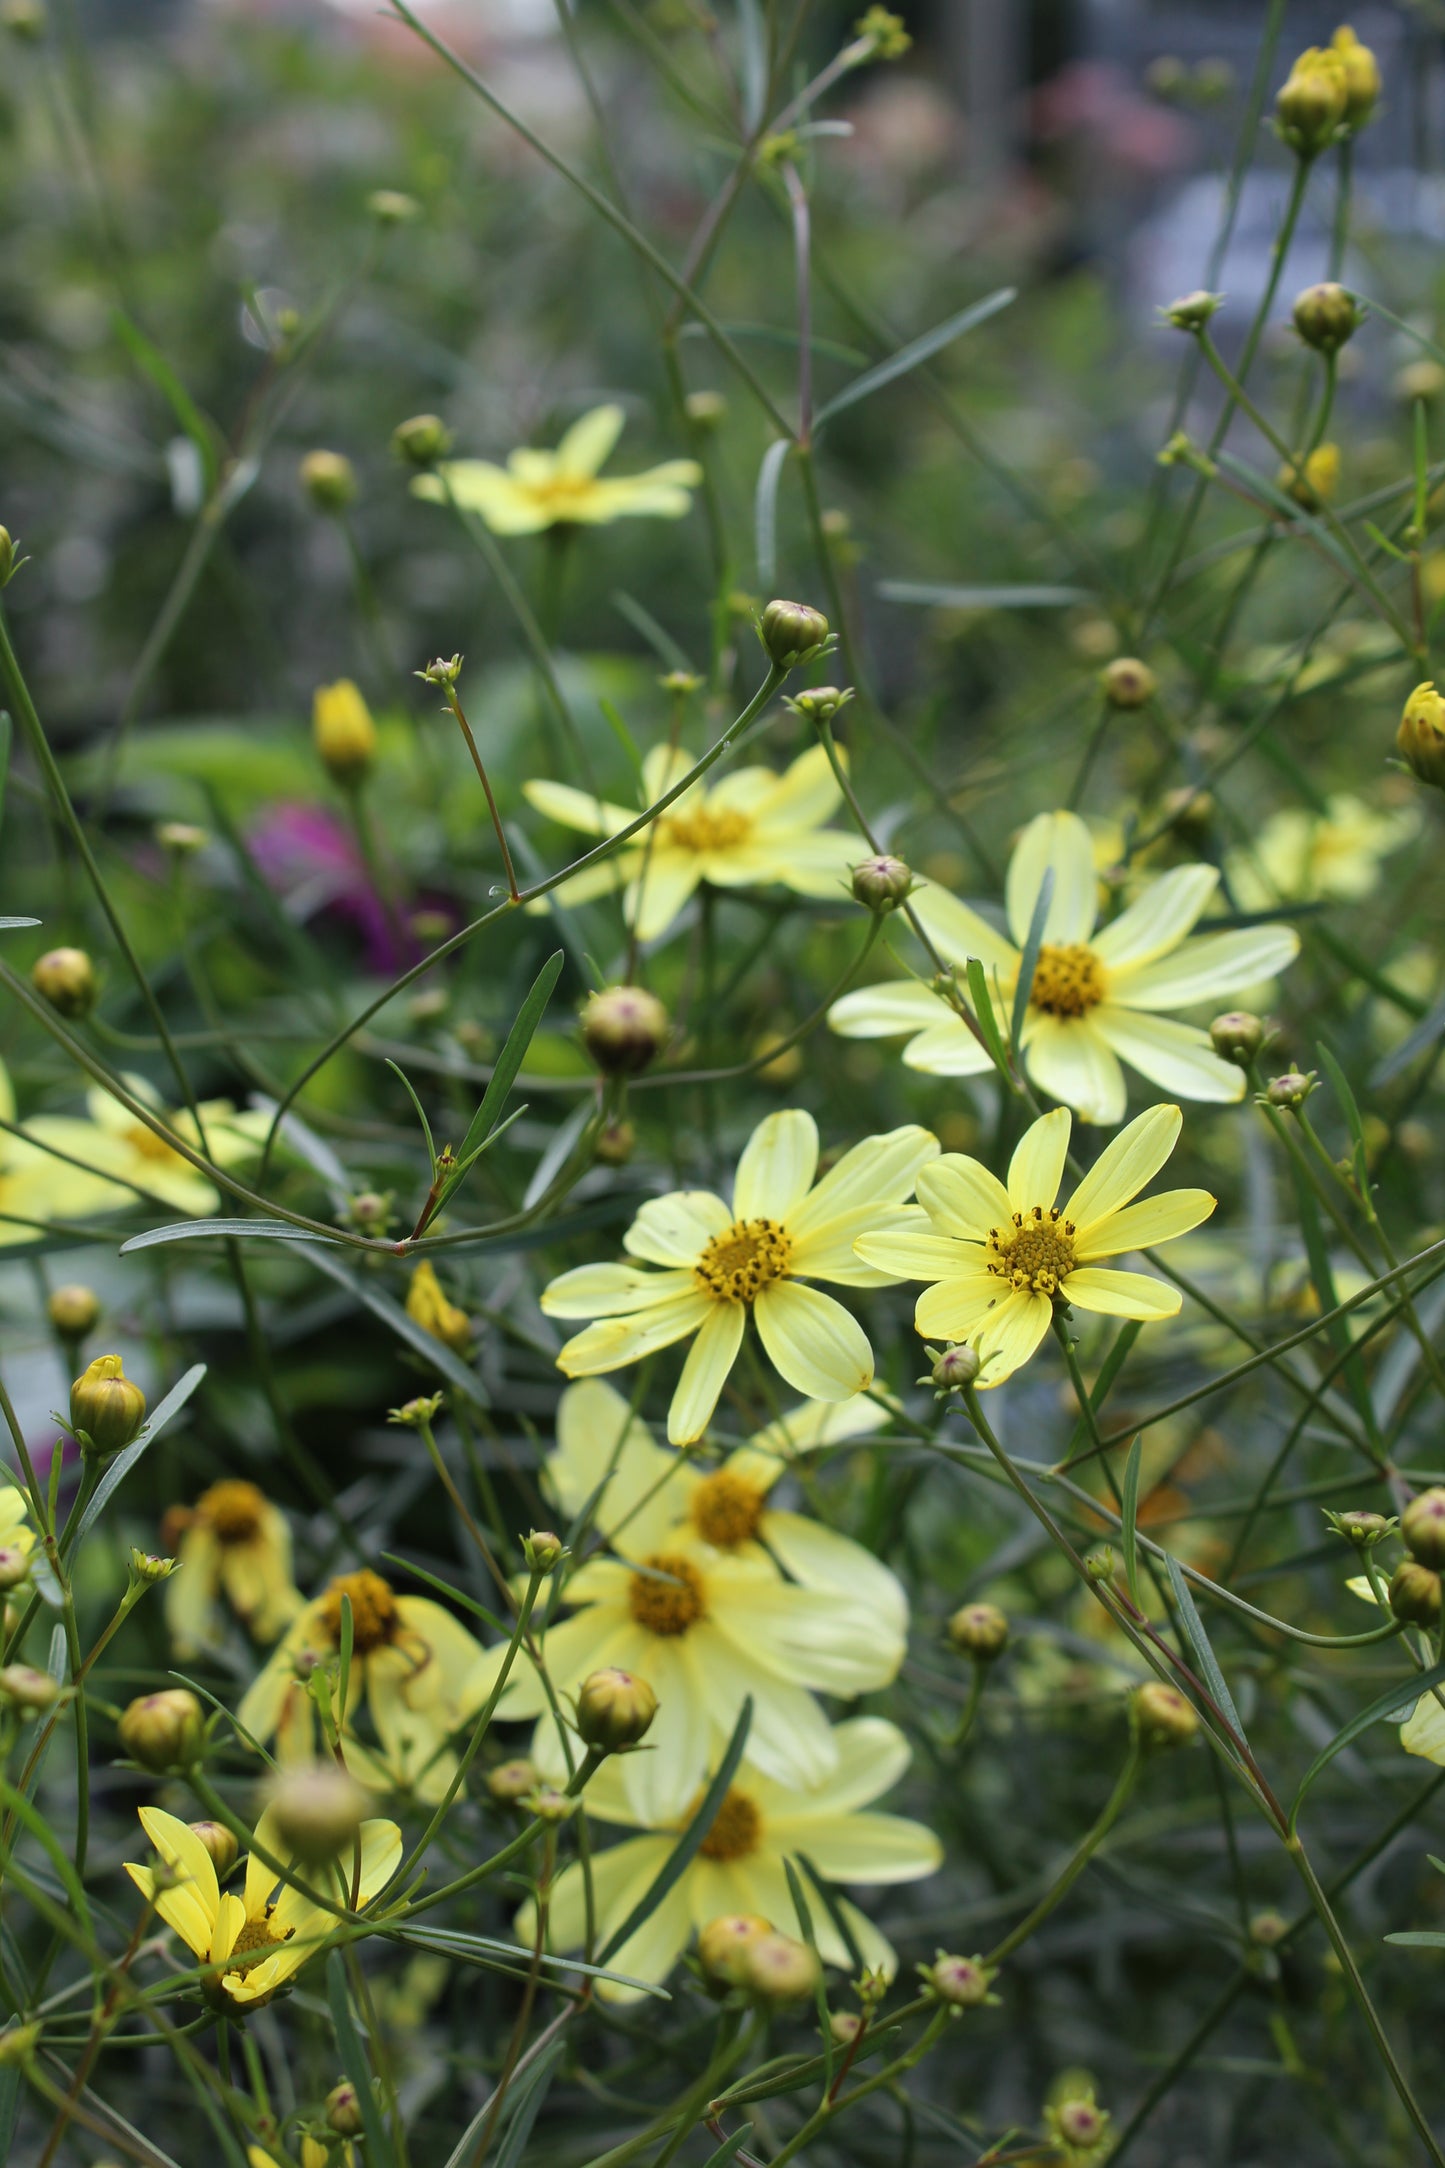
pixel 258 1940
pixel 427 1305
pixel 1315 480
pixel 739 1866
pixel 234 1543
pixel 1300 856
pixel 37 1185
pixel 344 733
pixel 116 1142
pixel 753 827
pixel 536 490
pixel 1096 996
pixel 722 1263
pixel 1000 1258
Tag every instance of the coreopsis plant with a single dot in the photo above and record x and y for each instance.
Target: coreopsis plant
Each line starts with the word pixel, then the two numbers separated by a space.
pixel 537 490
pixel 1099 996
pixel 232 1544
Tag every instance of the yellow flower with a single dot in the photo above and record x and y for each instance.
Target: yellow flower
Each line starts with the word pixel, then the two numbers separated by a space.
pixel 547 489
pixel 1362 76
pixel 1315 480
pixel 427 1305
pixel 419 1672
pixel 739 1866
pixel 343 730
pixel 722 1263
pixel 1096 996
pixel 314 2153
pixel 752 828
pixel 234 1543
pixel 16 1534
pixel 36 1185
pixel 118 1143
pixel 258 1940
pixel 1306 857
pixel 1000 1258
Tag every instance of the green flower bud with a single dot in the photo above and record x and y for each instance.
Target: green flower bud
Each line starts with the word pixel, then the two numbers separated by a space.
pixel 979 1631
pixel 1237 1036
pixel 74 1310
pixel 65 977
pixel 1326 317
pixel 422 440
pixel 723 1944
pixel 1415 1593
pixel 614 1710
pixel 624 1029
pixel 881 884
pixel 1420 739
pixel 391 207
pixel 792 633
pixel 1127 683
pixel 954 1368
pixel 615 1143
pixel 820 704
pixel 163 1731
pixel 1361 1527
pixel 220 1842
pixel 1422 1524
pixel 511 1781
pixel 541 1550
pixel 318 1810
pixel 706 409
pixel 1290 1090
pixel 1191 312
pixel 329 480
pixel 1161 1715
pixel 1311 106
pixel 961 1982
pixel 343 2110
pixel 776 1968
pixel 27 1689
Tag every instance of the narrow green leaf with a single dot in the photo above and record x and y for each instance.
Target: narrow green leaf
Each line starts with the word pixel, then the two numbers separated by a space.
pixel 445 1588
pixel 730 2147
pixel 754 40
pixel 618 726
pixel 1259 485
pixel 1419 1041
pixel 658 638
pixel 510 1060
pixel 121 1466
pixel 431 1150
pixel 1199 1642
pixel 7 925
pixel 152 363
pixel 915 354
pixel 202 1230
pixel 765 511
pixel 345 1643
pixel 1129 1513
pixel 483 1949
pixel 984 1015
pixel 526 2103
pixel 1397 1700
pixel 941 595
pixel 379 2152
pixel 1030 962
pixel 7 734
pixel 683 1853
pixel 1340 1085
pixel 1418 1938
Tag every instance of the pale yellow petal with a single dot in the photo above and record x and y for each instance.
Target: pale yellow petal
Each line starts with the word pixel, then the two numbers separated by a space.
pixel 577 808
pixel 1011 1334
pixel 1126 1163
pixel 1060 843
pixel 958 933
pixel 918 1256
pixel 813 1341
pixel 1216 967
pixel 1072 1061
pixel 1121 1294
pixel 1177 1057
pixel 962 1197
pixel 776 1170
pixel 676 1229
pixel 1139 1226
pixel 614 1341
pixel 704 1374
pixel 880 1170
pixel 611 1290
pixel 1037 1166
pixel 1158 921
pixel 588 444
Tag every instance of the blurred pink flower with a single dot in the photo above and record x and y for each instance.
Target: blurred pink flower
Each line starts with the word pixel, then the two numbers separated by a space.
pixel 311 860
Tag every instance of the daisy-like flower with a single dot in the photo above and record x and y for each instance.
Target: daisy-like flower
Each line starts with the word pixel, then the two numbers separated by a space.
pixel 37 1185
pixel 231 1543
pixel 1307 856
pixel 753 827
pixel 536 490
pixel 254 1942
pixel 739 1866
pixel 420 1673
pixel 1097 997
pixel 721 1263
pixel 654 1500
pixel 118 1144
pixel 17 1537
pixel 1000 1259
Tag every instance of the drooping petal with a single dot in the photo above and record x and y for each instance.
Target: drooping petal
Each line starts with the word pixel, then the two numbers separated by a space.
pixel 1059 842
pixel 1216 966
pixel 1158 920
pixel 880 1170
pixel 1011 1334
pixel 958 933
pixel 1140 1226
pixel 1122 1294
pixel 614 1341
pixel 1126 1163
pixel 881 1012
pixel 1178 1057
pixel 1037 1166
pixel 962 1197
pixel 956 1309
pixel 612 1290
pixel 815 1423
pixel 676 1229
pixel 813 1341
pixel 872 1755
pixel 1071 1061
pixel 704 1374
pixel 776 1170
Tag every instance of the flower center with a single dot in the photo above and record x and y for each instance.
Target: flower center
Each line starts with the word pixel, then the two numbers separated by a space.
pixel 373 1610
pixel 736 1830
pixel 147 1145
pixel 1038 1253
pixel 1068 980
pixel 256 1937
pixel 701 830
pixel 668 1606
pixel 233 1510
pixel 726 1510
pixel 737 1263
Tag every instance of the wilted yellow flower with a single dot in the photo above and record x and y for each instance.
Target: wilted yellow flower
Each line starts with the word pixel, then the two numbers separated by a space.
pixel 344 731
pixel 428 1306
pixel 536 490
pixel 234 1543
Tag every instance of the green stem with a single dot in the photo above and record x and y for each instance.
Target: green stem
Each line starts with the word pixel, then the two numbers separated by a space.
pixel 1118 1799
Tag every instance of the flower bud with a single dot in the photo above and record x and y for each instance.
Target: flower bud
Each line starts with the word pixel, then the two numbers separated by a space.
pixel 614 1710
pixel 1079 2126
pixel 421 440
pixel 954 1368
pixel 550 1805
pixel 1420 739
pixel 17 2045
pixel 344 732
pixel 148 1567
pixel 779 1969
pixel 428 1306
pixel 65 977
pixel 706 409
pixel 1362 76
pixel 1415 1593
pixel 1361 1527
pixel 1237 1036
pixel 343 2110
pixel 1268 1928
pixel 615 1143
pixel 1191 312
pixel 317 1809
pixel 1167 77
pixel 105 1407
pixel 884 31
pixel 624 1028
pixel 541 1550
pixel 329 480
pixel 1310 106
pixel 881 884
pixel 7 556
pixel 1099 1563
pixel 511 1781
pixel 163 1731
pixel 845 2026
pixel 1325 316
pixel 1162 1717
pixel 1422 1524
pixel 392 207
pixel 416 1414
pixel 14 1567
pixel 1290 1090
pixel 961 1982
pixel 792 633
pixel 723 1944
pixel 181 838
pixel 1127 683
pixel 25 1688
pixel 220 1842
pixel 73 1310
pixel 979 1631
pixel 1311 482
pixel 821 703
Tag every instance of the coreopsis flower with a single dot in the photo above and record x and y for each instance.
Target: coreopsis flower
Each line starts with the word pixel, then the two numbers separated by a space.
pixel 722 1263
pixel 1304 857
pixel 257 1941
pixel 752 828
pixel 38 1186
pixel 418 1671
pixel 536 490
pixel 232 1544
pixel 117 1143
pixel 428 1305
pixel 738 1868
pixel 649 1499
pixel 1097 996
pixel 999 1259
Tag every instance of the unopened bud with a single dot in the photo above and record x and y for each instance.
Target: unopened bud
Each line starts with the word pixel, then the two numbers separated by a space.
pixel 23 1687
pixel 392 207
pixel 779 1969
pixel 541 1550
pixel 1079 2126
pixel 1310 106
pixel 106 1409
pixel 954 1368
pixel 1237 1036
pixel 17 2045
pixel 1362 76
pixel 8 565
pixel 220 1842
pixel 624 1028
pixel 1191 312
pixel 1359 1526
pixel 1290 1090
pixel 1325 316
pixel 821 703
pixel 1422 1524
pixel 65 977
pixel 181 838
pixel 344 732
pixel 723 1944
pixel 845 2026
pixel 1268 1928
pixel 887 38
pixel 421 440
pixel 163 1731
pixel 614 1710
pixel 317 1810
pixel 706 409
pixel 792 633
pixel 428 1306
pixel 148 1567
pixel 1415 1593
pixel 1099 1563
pixel 417 1414
pixel 329 480
pixel 881 884
pixel 1311 482
pixel 961 1982
pixel 1162 1717
pixel 682 684
pixel 73 1310
pixel 1127 683
pixel 343 2110
pixel 979 1631
pixel 1420 739
pixel 511 1781
pixel 615 1143
pixel 551 1805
